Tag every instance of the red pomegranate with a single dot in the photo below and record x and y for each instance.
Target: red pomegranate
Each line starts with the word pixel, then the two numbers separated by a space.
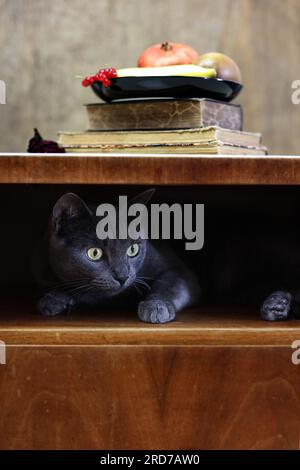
pixel 167 53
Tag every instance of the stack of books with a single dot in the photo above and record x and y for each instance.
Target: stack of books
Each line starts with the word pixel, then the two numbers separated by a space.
pixel 166 126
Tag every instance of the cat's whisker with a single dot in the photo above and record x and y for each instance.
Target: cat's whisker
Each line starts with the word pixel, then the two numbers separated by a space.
pixel 136 287
pixel 142 287
pixel 101 283
pixel 79 289
pixel 143 283
pixel 72 280
pixel 67 284
pixel 150 278
pixel 63 286
pixel 63 289
pixel 88 289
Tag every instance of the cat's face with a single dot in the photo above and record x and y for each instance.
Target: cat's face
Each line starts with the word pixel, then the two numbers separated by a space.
pixel 81 261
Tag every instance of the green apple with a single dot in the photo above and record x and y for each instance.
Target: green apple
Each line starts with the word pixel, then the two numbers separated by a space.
pixel 225 67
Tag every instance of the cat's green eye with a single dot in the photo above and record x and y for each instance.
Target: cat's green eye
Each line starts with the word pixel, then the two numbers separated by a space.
pixel 94 254
pixel 133 250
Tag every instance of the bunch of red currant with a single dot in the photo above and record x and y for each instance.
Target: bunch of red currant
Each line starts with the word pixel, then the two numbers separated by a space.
pixel 104 76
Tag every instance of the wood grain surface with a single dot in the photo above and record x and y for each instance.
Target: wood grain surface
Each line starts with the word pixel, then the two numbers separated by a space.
pixel 149 398
pixel 46 44
pixel 149 169
pixel 20 324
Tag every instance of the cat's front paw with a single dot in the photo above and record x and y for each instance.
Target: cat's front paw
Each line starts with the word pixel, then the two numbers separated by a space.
pixel 277 306
pixel 156 311
pixel 55 304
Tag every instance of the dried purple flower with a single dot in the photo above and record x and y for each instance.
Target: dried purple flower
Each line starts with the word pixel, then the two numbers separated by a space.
pixel 38 145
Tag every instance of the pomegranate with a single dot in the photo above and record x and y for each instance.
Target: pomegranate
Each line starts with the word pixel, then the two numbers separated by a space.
pixel 167 53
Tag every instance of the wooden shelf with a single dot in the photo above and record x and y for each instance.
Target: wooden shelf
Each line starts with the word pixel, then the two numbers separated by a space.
pixel 203 326
pixel 149 169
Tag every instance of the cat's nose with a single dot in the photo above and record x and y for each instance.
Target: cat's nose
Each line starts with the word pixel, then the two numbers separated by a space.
pixel 121 279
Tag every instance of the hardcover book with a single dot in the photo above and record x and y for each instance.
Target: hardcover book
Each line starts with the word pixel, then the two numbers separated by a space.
pixel 195 136
pixel 214 148
pixel 164 114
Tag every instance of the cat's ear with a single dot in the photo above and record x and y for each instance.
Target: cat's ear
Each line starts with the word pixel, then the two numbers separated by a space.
pixel 143 198
pixel 68 212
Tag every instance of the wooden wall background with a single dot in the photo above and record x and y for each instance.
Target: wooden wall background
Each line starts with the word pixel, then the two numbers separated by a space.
pixel 44 44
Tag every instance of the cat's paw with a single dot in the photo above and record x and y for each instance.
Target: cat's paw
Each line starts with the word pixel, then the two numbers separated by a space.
pixel 55 304
pixel 156 311
pixel 277 306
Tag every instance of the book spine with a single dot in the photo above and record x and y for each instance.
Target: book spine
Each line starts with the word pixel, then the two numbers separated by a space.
pixel 221 114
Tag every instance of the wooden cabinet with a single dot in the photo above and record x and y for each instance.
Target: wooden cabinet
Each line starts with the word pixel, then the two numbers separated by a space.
pixel 217 378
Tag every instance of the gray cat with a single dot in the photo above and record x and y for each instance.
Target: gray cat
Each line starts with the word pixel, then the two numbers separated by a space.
pixel 77 269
